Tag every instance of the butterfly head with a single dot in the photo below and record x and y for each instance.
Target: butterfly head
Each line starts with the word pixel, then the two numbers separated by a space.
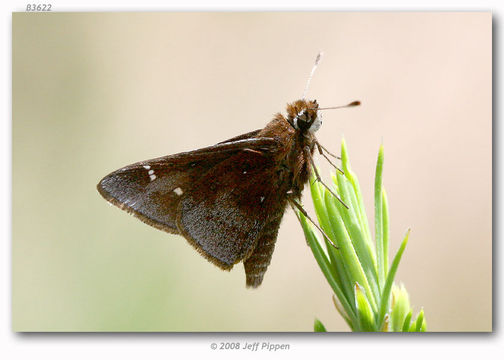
pixel 303 115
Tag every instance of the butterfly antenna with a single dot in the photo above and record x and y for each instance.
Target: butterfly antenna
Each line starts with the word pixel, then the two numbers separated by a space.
pixel 317 61
pixel 352 104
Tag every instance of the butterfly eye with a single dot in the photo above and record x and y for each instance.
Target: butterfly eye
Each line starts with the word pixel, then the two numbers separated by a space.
pixel 302 120
pixel 317 122
pixel 302 115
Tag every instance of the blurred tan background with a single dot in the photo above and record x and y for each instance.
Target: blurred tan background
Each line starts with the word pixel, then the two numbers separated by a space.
pixel 94 92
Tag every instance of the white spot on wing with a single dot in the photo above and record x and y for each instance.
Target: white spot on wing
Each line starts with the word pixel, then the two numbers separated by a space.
pixel 178 191
pixel 262 198
pixel 146 167
pixel 151 172
pixel 152 177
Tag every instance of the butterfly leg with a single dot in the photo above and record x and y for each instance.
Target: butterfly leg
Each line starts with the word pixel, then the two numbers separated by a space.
pixel 320 148
pixel 308 156
pixel 295 205
pixel 321 152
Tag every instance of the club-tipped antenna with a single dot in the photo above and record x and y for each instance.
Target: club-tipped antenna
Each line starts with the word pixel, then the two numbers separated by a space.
pixel 352 104
pixel 317 61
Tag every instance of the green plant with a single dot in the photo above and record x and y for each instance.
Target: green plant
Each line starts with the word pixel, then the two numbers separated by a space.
pixel 358 270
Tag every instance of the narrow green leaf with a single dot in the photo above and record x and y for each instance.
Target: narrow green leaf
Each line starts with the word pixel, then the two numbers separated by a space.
pixel 363 220
pixel 318 326
pixel 390 279
pixel 399 307
pixel 407 321
pixel 317 250
pixel 319 204
pixel 350 258
pixel 324 264
pixel 385 231
pixel 357 236
pixel 423 328
pixel 378 218
pixel 364 311
pixel 340 273
pixel 420 325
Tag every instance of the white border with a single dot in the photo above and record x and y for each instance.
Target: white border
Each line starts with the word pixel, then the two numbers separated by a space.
pixel 148 346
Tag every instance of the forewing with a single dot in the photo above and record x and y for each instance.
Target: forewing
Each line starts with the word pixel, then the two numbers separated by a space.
pixel 151 190
pixel 224 213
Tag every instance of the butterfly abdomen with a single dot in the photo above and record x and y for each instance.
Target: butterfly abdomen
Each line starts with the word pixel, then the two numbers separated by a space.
pixel 258 261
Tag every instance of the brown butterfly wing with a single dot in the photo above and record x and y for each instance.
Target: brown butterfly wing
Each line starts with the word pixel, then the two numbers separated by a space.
pixel 226 210
pixel 151 190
